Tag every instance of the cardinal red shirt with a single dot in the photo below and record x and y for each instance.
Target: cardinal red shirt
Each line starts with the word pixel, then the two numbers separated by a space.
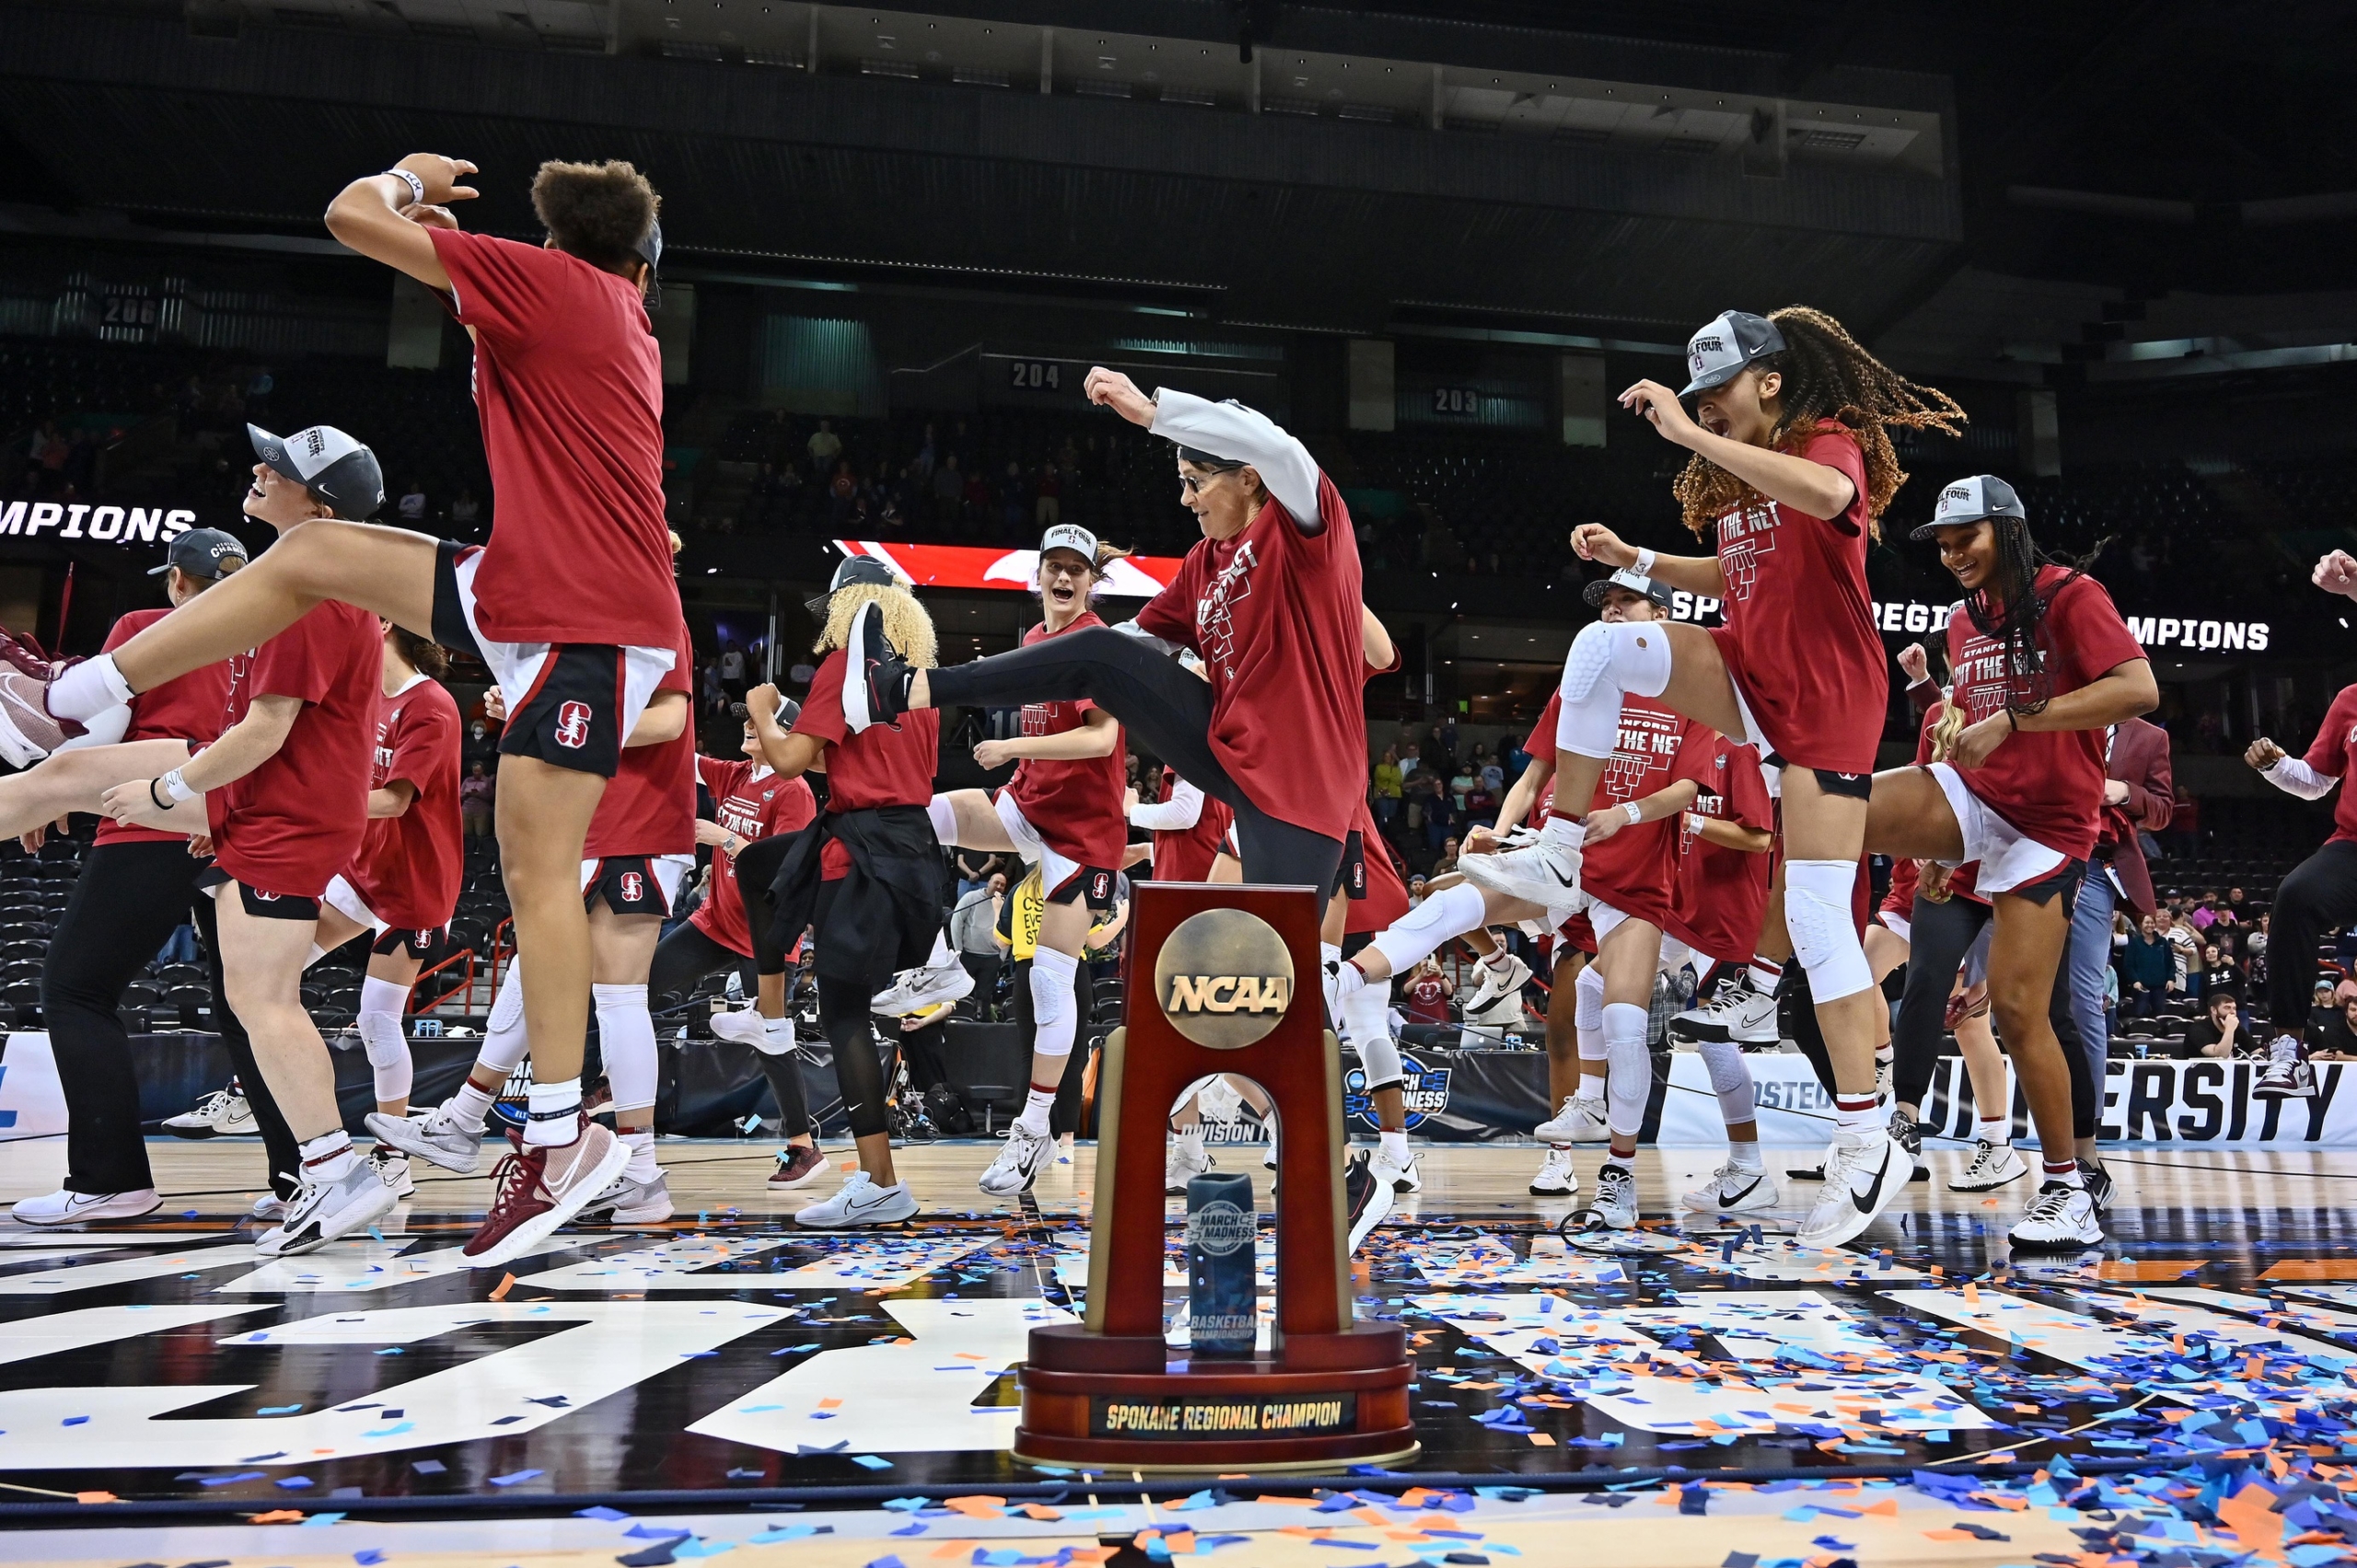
pixel 1074 807
pixel 1636 868
pixel 649 806
pixel 1386 896
pixel 409 866
pixel 1722 893
pixel 880 766
pixel 289 826
pixel 1962 881
pixel 187 707
pixel 1185 854
pixel 752 802
pixel 1426 1000
pixel 2329 754
pixel 1800 638
pixel 1274 613
pixel 2047 783
pixel 569 386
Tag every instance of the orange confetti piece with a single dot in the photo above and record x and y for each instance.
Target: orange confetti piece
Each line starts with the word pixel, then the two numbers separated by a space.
pixel 276 1516
pixel 838 1404
pixel 1972 1293
pixel 96 1497
pixel 507 1283
pixel 1286 1501
pixel 1887 1508
pixel 2250 1514
pixel 1039 1511
pixel 1948 1535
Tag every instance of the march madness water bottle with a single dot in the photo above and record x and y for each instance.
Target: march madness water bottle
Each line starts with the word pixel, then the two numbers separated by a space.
pixel 1221 1221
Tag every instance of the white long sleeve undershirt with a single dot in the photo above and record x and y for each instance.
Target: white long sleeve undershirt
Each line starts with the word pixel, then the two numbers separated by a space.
pixel 1243 435
pixel 1182 810
pixel 2294 776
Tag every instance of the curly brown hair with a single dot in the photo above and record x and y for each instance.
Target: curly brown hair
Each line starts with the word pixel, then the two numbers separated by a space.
pixel 424 656
pixel 1828 376
pixel 596 211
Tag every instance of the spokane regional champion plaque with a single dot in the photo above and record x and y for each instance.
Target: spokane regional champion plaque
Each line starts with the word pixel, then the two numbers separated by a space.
pixel 1229 985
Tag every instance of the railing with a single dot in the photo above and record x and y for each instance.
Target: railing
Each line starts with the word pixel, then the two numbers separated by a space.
pixel 472 967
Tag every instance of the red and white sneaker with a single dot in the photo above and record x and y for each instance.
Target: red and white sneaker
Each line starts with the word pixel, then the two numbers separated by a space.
pixel 27 732
pixel 540 1187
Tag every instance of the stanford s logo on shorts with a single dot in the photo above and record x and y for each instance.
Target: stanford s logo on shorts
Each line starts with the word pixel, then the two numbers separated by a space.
pixel 634 887
pixel 1100 887
pixel 572 725
pixel 266 897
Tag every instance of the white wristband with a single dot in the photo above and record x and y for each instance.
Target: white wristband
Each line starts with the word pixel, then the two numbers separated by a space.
pixel 416 186
pixel 1636 813
pixel 177 787
pixel 1644 566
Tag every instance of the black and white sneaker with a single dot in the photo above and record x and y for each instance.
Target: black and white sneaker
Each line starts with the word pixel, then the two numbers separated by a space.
pixel 1738 1013
pixel 1733 1189
pixel 1615 1207
pixel 321 1211
pixel 1018 1163
pixel 1908 1134
pixel 1864 1171
pixel 1365 1200
pixel 1993 1164
pixel 1556 1178
pixel 2060 1219
pixel 875 680
pixel 2099 1185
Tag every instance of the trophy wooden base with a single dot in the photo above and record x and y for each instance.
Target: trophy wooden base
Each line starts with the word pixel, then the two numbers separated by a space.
pixel 1123 1403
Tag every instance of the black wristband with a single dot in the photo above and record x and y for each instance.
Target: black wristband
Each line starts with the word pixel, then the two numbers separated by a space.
pixel 159 805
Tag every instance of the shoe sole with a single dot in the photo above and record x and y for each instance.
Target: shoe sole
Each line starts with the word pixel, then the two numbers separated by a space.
pixel 395 1131
pixel 805 1180
pixel 357 1216
pixel 528 1236
pixel 1989 1186
pixel 1745 1206
pixel 1854 1223
pixel 652 1215
pixel 192 1132
pixel 919 1003
pixel 2063 1244
pixel 1554 1192
pixel 64 1221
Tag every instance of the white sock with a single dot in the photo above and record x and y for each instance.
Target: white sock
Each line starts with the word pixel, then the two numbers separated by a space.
pixel 1395 1145
pixel 556 1113
pixel 641 1141
pixel 1764 974
pixel 1035 1106
pixel 382 1002
pixel 329 1158
pixel 470 1105
pixel 2000 1131
pixel 88 689
pixel 1745 1156
pixel 1499 960
pixel 1564 832
pixel 1329 954
pixel 940 957
pixel 1349 979
pixel 1860 1113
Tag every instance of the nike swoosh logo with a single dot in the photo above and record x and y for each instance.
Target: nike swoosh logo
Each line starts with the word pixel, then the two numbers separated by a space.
pixel 1563 880
pixel 1873 1193
pixel 1737 1198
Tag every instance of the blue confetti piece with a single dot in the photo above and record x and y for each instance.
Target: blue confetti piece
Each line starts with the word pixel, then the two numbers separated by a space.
pixel 602 1513
pixel 278 1410
pixel 516 1478
pixel 324 1520
pixel 426 1467
pixel 869 1461
pixel 367 1555
pixel 887 1563
pixel 295 1483
pixel 229 1480
pixel 73 1421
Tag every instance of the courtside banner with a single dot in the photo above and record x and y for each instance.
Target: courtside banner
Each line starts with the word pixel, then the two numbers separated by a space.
pixel 1011 571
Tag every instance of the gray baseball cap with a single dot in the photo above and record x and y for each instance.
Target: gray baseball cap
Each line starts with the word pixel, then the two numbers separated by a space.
pixel 1716 354
pixel 1968 501
pixel 203 552
pixel 330 464
pixel 1625 578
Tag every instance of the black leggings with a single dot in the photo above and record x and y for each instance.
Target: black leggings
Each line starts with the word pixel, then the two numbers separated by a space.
pixel 1939 937
pixel 2320 894
pixel 1170 713
pixel 681 961
pixel 125 905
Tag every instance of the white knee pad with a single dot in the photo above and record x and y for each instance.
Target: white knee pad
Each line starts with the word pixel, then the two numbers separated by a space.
pixel 944 818
pixel 381 1002
pixel 1379 1054
pixel 1416 935
pixel 1366 1015
pixel 1055 1016
pixel 1629 1077
pixel 1588 999
pixel 1730 1080
pixel 1606 663
pixel 503 1039
pixel 626 1041
pixel 1816 913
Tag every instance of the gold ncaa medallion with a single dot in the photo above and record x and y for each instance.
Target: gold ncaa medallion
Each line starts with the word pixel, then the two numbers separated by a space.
pixel 1224 978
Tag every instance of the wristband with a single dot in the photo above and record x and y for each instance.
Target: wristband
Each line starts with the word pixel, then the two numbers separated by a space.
pixel 416 186
pixel 1636 814
pixel 175 787
pixel 157 804
pixel 1644 566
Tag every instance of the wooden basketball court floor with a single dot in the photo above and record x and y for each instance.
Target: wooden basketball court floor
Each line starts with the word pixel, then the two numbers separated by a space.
pixel 2181 1394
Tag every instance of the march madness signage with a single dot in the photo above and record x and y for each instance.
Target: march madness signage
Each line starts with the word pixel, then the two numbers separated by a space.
pixel 1424 1089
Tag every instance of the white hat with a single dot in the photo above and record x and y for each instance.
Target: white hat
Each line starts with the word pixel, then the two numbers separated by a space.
pixel 1072 537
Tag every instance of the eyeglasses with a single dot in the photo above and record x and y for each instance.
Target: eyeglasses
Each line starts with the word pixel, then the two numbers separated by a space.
pixel 1193 484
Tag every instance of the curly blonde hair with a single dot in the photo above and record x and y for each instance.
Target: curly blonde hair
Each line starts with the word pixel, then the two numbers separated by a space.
pixel 905 622
pixel 1947 728
pixel 1828 376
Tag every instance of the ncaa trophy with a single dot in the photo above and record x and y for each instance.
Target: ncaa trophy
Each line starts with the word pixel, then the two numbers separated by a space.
pixel 1218 980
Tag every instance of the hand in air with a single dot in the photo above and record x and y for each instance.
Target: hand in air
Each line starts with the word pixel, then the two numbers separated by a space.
pixel 2336 573
pixel 1659 407
pixel 996 753
pixel 440 176
pixel 1603 822
pixel 710 832
pixel 1594 541
pixel 1980 741
pixel 1916 663
pixel 2263 754
pixel 1110 389
pixel 494 704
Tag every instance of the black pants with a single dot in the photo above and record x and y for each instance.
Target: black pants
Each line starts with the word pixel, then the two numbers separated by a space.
pixel 681 961
pixel 127 901
pixel 1169 712
pixel 2320 894
pixel 1939 937
pixel 845 1019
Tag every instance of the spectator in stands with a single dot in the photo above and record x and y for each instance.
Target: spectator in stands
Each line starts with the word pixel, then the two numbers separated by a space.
pixel 476 793
pixel 975 868
pixel 413 506
pixel 466 511
pixel 2237 908
pixel 482 742
pixel 1446 862
pixel 2205 911
pixel 1410 751
pixel 1415 891
pixel 1047 504
pixel 1426 994
pixel 732 670
pixel 973 927
pixel 1384 789
pixel 2148 966
pixel 928 455
pixel 2337 1037
pixel 949 487
pixel 826 450
pixel 1461 786
pixel 2218 974
pixel 1492 775
pixel 2218 1032
pixel 842 490
pixel 1445 746
pixel 2185 939
pixel 715 696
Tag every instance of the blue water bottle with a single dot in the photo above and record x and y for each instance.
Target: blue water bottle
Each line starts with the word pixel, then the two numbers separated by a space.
pixel 1221 1223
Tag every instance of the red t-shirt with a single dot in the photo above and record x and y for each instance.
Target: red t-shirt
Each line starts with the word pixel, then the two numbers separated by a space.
pixel 1800 638
pixel 1906 875
pixel 289 826
pixel 409 866
pixel 751 802
pixel 649 806
pixel 569 385
pixel 1722 893
pixel 2329 754
pixel 1387 894
pixel 1274 613
pixel 1185 854
pixel 1076 806
pixel 1963 882
pixel 2047 783
pixel 880 766
pixel 187 707
pixel 1635 869
pixel 1427 1000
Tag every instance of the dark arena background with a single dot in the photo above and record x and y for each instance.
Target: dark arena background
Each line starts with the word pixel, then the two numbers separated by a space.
pixel 1434 241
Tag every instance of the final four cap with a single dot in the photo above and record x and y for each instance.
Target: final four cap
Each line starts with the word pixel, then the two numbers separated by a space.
pixel 330 464
pixel 1717 354
pixel 650 250
pixel 1625 578
pixel 855 570
pixel 1968 501
pixel 1072 537
pixel 204 552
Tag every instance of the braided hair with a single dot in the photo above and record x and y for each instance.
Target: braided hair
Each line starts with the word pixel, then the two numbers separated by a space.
pixel 2009 609
pixel 1828 376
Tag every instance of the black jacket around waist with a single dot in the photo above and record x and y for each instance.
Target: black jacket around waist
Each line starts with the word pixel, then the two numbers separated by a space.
pixel 884 912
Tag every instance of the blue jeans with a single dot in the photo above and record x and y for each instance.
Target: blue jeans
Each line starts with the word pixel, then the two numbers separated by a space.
pixel 2089 956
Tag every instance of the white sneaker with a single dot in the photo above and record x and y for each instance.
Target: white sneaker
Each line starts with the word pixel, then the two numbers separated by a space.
pixel 859 1202
pixel 2287 1074
pixel 2060 1219
pixel 1864 1174
pixel 1018 1163
pixel 438 1136
pixel 1556 1178
pixel 268 1206
pixel 914 990
pixel 1616 1200
pixel 1733 1189
pixel 1546 874
pixel 61 1208
pixel 324 1210
pixel 631 1202
pixel 1499 981
pixel 1403 1174
pixel 28 734
pixel 1580 1121
pixel 1365 1201
pixel 1885 1065
pixel 1738 1013
pixel 1269 1160
pixel 221 1114
pixel 392 1168
pixel 1186 1160
pixel 746 1028
pixel 1992 1165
